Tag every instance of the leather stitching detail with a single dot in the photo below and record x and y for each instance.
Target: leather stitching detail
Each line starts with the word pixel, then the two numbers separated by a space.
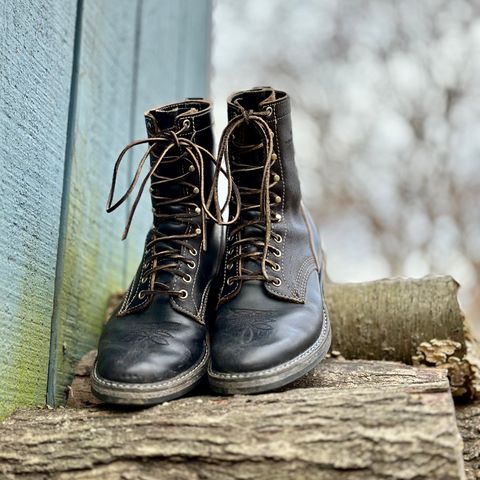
pixel 276 118
pixel 310 236
pixel 235 288
pixel 277 291
pixel 303 275
pixel 178 307
pixel 201 129
pixel 128 308
pixel 204 300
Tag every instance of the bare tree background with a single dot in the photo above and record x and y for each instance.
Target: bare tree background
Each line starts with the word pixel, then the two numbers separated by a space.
pixel 386 97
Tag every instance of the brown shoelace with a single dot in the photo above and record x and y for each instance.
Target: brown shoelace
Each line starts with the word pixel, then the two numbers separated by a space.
pixel 254 247
pixel 167 259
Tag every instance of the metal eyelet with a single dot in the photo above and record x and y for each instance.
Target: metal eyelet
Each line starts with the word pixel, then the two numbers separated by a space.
pixel 193 251
pixel 269 111
pixel 186 123
pixel 278 217
pixel 141 295
pixel 143 279
pixel 191 265
pixel 229 281
pixel 197 210
pixel 187 278
pixel 277 237
pixel 276 177
pixel 278 199
pixel 276 267
pixel 274 156
pixel 191 168
pixel 196 190
pixel 229 266
pixel 277 252
pixel 277 282
pixel 183 294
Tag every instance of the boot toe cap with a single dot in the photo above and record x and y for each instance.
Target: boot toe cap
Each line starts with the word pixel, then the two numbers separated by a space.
pixel 148 351
pixel 244 344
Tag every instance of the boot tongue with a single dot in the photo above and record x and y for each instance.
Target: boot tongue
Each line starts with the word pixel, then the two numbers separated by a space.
pixel 156 122
pixel 256 98
pixel 271 98
pixel 252 179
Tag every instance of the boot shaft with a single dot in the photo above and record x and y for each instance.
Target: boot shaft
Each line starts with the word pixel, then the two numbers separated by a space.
pixel 176 268
pixel 275 105
pixel 274 231
pixel 177 176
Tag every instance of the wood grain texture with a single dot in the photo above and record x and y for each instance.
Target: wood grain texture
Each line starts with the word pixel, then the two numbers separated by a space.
pixel 388 319
pixel 346 429
pixel 36 50
pixel 171 66
pixel 93 257
pixel 468 419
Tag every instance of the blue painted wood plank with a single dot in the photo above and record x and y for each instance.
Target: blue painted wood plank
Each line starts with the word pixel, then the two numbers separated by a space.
pixel 173 63
pixel 36 49
pixel 94 256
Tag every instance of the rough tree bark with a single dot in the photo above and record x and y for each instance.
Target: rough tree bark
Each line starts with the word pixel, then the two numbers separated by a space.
pixel 388 319
pixel 367 420
pixel 468 420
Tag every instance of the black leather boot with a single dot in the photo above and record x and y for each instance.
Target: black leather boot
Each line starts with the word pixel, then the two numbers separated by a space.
pixel 271 325
pixel 155 345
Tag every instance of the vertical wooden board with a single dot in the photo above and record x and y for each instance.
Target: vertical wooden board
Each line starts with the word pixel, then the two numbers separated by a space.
pixel 193 78
pixel 36 50
pixel 94 255
pixel 173 63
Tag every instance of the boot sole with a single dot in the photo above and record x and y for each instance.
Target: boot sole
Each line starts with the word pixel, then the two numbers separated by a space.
pixel 276 377
pixel 148 393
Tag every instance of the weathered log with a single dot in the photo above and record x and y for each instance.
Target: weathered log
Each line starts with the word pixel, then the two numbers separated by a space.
pixel 336 374
pixel 341 375
pixel 407 320
pixel 368 420
pixel 388 319
pixel 468 420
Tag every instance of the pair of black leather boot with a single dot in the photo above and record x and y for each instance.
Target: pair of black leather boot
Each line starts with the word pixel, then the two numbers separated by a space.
pixel 237 296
